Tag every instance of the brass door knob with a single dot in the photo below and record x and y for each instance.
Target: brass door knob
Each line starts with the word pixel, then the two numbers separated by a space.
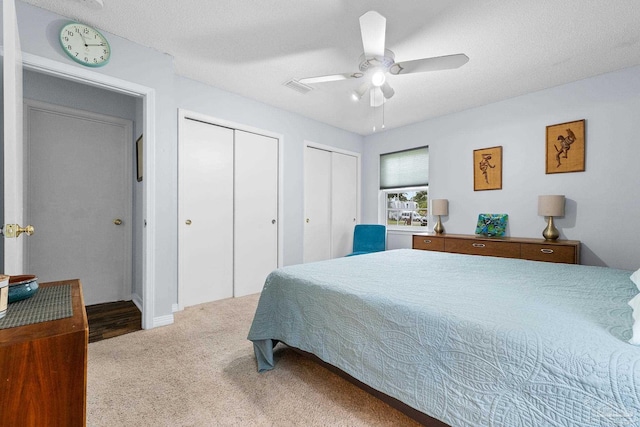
pixel 117 221
pixel 11 231
pixel 28 229
pixel 188 222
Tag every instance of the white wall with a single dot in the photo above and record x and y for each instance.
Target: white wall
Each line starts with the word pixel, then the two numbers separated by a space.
pixel 603 203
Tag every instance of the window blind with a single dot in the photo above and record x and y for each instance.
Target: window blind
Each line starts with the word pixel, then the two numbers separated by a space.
pixel 408 168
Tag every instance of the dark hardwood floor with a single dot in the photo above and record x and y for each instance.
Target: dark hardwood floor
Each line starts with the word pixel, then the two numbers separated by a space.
pixel 112 319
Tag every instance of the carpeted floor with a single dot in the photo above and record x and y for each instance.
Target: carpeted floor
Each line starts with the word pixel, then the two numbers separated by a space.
pixel 201 371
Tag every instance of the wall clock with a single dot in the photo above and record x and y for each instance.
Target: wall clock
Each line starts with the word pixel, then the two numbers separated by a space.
pixel 84 44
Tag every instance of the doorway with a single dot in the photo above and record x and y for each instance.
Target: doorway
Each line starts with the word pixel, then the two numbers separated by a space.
pixel 146 219
pixel 78 190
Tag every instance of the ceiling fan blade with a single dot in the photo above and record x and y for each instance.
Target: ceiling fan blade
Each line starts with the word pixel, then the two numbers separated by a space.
pixel 387 90
pixel 437 63
pixel 373 29
pixel 330 78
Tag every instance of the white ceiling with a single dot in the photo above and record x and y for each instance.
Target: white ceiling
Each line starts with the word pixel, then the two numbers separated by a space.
pixel 252 47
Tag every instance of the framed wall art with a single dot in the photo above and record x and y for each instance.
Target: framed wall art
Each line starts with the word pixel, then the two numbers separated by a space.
pixel 487 169
pixel 565 147
pixel 139 158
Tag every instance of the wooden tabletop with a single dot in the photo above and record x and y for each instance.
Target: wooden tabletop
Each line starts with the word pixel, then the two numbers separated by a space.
pixel 50 328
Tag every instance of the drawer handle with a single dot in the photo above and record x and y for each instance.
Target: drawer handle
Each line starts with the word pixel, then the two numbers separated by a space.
pixel 427 241
pixel 478 245
pixel 546 251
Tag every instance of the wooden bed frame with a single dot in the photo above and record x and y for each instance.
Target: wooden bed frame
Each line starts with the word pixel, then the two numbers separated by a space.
pixel 412 413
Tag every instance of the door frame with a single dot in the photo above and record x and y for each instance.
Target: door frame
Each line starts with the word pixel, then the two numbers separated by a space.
pixel 358 156
pixel 125 291
pixel 183 115
pixel 148 96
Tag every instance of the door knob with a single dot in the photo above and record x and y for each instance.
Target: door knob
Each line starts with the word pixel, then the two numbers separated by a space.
pixel 14 230
pixel 28 229
pixel 117 221
pixel 273 221
pixel 307 220
pixel 188 222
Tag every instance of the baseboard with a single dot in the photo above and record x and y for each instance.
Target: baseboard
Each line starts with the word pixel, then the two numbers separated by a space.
pixel 175 307
pixel 163 320
pixel 157 321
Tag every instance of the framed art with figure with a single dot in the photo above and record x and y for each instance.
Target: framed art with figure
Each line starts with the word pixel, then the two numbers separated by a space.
pixel 487 169
pixel 139 158
pixel 565 151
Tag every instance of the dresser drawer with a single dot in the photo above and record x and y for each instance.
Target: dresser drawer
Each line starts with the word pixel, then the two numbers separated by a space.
pixel 503 249
pixel 429 243
pixel 549 253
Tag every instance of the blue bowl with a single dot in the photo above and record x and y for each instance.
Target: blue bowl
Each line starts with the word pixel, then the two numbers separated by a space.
pixel 22 287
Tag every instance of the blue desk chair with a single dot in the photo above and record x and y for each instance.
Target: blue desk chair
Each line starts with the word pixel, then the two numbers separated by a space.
pixel 369 238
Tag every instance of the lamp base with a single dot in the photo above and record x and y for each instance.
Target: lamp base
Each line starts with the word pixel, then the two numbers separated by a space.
pixel 551 232
pixel 438 228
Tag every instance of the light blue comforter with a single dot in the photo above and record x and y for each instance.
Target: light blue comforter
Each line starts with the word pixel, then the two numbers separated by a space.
pixel 472 341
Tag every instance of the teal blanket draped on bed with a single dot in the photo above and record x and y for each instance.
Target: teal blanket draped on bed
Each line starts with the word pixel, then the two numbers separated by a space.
pixel 470 340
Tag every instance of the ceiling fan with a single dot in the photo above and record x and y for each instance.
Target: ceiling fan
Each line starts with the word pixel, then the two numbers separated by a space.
pixel 376 62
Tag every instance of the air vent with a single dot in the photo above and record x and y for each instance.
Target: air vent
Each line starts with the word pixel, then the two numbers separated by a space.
pixel 297 86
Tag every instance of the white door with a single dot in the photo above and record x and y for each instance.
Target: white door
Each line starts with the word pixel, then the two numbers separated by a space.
pixel 317 205
pixel 13 249
pixel 344 203
pixel 78 190
pixel 205 217
pixel 256 211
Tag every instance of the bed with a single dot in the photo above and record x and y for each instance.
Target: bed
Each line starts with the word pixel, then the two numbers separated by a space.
pixel 467 340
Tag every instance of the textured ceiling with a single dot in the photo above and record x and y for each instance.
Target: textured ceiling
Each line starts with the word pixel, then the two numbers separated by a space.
pixel 252 47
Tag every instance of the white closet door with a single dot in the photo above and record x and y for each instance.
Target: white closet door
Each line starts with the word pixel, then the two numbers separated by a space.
pixel 256 211
pixel 205 213
pixel 317 205
pixel 344 203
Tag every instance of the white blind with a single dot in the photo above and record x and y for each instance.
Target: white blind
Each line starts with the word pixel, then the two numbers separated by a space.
pixel 409 168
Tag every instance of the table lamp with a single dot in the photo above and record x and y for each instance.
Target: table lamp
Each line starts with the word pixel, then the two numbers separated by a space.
pixel 551 206
pixel 439 207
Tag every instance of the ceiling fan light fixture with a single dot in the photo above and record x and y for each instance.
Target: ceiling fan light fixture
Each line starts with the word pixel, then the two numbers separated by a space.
pixel 378 78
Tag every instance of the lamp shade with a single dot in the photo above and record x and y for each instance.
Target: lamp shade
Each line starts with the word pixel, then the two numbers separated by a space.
pixel 552 205
pixel 439 207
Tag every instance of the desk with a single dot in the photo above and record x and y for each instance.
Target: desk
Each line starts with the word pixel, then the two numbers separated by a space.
pixel 43 369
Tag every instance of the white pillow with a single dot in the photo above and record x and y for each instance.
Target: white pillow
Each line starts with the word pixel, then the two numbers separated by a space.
pixel 635 278
pixel 635 305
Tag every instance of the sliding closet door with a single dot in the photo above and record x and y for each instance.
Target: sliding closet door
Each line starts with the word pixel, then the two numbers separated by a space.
pixel 344 203
pixel 256 211
pixel 330 203
pixel 317 205
pixel 205 217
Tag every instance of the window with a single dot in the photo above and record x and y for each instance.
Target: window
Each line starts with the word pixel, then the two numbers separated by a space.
pixel 404 182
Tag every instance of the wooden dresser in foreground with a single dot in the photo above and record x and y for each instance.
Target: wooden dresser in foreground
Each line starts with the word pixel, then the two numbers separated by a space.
pixel 565 251
pixel 43 369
